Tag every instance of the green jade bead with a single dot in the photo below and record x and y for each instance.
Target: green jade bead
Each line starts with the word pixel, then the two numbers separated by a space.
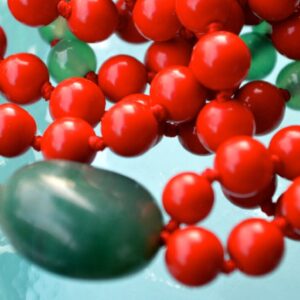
pixel 263 54
pixel 71 58
pixel 264 28
pixel 289 79
pixel 79 221
pixel 57 30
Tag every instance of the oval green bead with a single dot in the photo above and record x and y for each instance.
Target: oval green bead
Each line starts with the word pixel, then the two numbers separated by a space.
pixel 263 54
pixel 71 58
pixel 263 28
pixel 79 221
pixel 57 30
pixel 289 79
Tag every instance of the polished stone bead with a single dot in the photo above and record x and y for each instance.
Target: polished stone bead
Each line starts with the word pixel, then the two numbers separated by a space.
pixel 289 79
pixel 57 30
pixel 263 54
pixel 79 221
pixel 263 28
pixel 71 58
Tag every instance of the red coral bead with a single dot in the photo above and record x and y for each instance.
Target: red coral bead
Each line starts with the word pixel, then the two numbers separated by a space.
pixel 220 60
pixel 79 98
pixel 256 246
pixel 17 130
pixel 261 97
pixel 22 77
pixel 68 139
pixel 156 19
pixel 273 10
pixel 129 128
pixel 177 90
pixel 285 145
pixel 219 121
pixel 121 76
pixel 194 256
pixel 188 198
pixel 3 43
pixel 93 21
pixel 285 37
pixel 188 138
pixel 34 12
pixel 161 55
pixel 244 165
pixel 250 17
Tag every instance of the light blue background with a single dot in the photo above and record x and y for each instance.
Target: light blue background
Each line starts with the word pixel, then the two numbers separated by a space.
pixel 20 280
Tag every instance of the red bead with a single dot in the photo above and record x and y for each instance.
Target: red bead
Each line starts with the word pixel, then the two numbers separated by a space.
pixel 250 17
pixel 68 139
pixel 188 138
pixel 3 43
pixel 34 12
pixel 273 10
pixel 197 15
pixel 177 90
pixel 256 246
pixel 261 97
pixel 17 130
pixel 219 121
pixel 93 21
pixel 285 37
pixel 244 165
pixel 161 55
pixel 129 128
pixel 156 19
pixel 194 256
pixel 188 198
pixel 79 98
pixel 22 77
pixel 285 145
pixel 121 76
pixel 220 60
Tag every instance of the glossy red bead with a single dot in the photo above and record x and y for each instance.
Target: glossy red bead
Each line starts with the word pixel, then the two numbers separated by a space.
pixel 285 37
pixel 68 139
pixel 256 246
pixel 3 42
pixel 266 102
pixel 34 12
pixel 129 128
pixel 244 166
pixel 218 121
pixel 121 76
pixel 285 145
pixel 17 130
pixel 188 138
pixel 161 55
pixel 188 198
pixel 194 256
pixel 79 98
pixel 156 19
pixel 273 10
pixel 220 60
pixel 177 90
pixel 93 21
pixel 22 77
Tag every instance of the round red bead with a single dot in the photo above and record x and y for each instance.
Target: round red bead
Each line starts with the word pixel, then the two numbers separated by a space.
pixel 3 43
pixel 79 98
pixel 177 90
pixel 244 165
pixel 22 77
pixel 68 139
pixel 194 256
pixel 121 76
pixel 188 198
pixel 220 60
pixel 17 130
pixel 285 145
pixel 256 246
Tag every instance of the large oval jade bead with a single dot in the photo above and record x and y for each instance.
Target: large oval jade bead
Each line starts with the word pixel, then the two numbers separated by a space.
pixel 79 221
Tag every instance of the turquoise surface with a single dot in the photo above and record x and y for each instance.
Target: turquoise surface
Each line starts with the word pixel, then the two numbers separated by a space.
pixel 20 280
